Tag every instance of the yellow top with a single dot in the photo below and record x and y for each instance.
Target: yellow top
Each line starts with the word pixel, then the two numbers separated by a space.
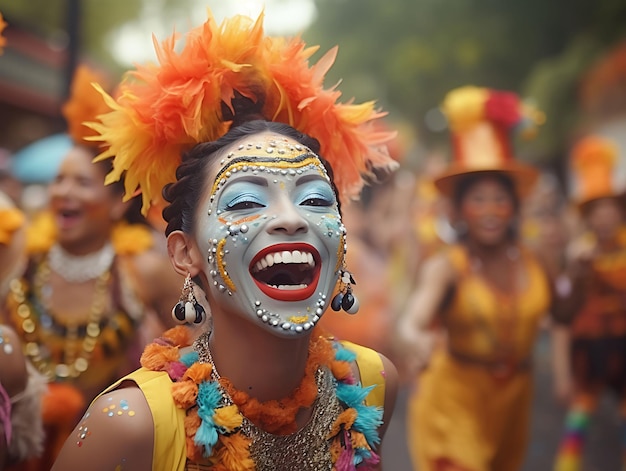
pixel 169 453
pixel 485 323
pixel 475 414
pixel 371 371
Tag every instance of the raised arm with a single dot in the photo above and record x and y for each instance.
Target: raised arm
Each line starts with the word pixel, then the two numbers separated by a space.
pixel 115 433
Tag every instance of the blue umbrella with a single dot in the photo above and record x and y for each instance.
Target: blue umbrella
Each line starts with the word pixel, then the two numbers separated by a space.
pixel 39 161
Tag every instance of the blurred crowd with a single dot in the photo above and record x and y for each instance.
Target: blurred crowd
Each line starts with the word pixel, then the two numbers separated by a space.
pixel 458 263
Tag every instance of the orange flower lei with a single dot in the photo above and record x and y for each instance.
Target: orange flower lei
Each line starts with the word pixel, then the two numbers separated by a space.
pixel 351 437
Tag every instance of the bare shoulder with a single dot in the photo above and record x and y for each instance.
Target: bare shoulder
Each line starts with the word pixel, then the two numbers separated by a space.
pixel 116 432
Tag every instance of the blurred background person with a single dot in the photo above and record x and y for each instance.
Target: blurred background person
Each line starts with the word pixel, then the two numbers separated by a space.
pixel 94 290
pixel 21 387
pixel 590 349
pixel 486 294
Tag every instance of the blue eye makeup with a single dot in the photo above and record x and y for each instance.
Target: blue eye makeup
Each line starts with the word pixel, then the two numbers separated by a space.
pixel 242 196
pixel 315 193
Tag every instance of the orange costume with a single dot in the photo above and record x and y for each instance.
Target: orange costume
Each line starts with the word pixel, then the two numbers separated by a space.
pixel 454 414
pixel 598 327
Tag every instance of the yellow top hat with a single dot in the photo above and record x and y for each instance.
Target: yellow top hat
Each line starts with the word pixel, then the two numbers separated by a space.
pixel 481 122
pixel 593 160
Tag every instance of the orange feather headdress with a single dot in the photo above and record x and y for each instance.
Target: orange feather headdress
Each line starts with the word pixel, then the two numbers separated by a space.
pixel 164 109
pixel 84 104
pixel 3 40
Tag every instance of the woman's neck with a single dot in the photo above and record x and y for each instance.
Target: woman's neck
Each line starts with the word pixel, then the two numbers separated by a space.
pixel 255 361
pixel 492 252
pixel 84 247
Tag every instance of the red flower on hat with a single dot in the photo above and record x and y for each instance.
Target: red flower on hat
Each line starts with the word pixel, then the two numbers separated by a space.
pixel 503 108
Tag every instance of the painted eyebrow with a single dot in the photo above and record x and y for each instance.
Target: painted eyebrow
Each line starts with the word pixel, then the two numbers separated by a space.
pixel 307 178
pixel 260 181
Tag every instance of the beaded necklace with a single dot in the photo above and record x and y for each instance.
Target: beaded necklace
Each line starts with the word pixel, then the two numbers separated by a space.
pixel 339 436
pixel 37 324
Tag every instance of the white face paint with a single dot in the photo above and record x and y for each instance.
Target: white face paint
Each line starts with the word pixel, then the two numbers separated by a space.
pixel 272 233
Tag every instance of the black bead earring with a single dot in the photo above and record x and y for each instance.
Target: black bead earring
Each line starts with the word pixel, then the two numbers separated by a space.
pixel 345 298
pixel 188 310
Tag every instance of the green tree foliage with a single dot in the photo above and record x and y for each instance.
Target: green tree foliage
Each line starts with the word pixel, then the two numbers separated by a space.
pixel 409 53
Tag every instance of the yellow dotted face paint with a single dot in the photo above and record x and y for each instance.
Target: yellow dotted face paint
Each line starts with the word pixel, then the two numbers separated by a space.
pixel 273 235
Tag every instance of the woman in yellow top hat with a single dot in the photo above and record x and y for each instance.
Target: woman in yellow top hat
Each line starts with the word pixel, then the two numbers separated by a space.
pixel 591 347
pixel 231 127
pixel 487 293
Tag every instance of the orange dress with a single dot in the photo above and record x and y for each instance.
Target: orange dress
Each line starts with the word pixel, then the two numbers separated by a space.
pixel 471 407
pixel 599 327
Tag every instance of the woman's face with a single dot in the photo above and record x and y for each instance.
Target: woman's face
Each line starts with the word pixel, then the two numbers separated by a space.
pixel 604 218
pixel 488 210
pixel 270 228
pixel 83 207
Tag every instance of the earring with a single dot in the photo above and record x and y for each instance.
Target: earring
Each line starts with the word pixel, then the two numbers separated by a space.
pixel 188 310
pixel 345 299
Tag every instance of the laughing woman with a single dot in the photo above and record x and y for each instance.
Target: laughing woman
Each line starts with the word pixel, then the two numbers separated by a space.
pixel 253 223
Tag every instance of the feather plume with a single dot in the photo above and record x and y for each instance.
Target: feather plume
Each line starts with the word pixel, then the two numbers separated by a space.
pixel 84 104
pixel 164 109
pixel 3 40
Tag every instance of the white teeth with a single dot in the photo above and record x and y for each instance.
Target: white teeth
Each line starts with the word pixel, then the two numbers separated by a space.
pixel 290 287
pixel 294 256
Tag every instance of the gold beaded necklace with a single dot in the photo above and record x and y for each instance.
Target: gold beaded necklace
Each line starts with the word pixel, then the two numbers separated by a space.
pixel 38 324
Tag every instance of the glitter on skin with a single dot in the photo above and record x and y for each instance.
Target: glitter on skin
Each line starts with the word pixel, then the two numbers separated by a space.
pixel 124 407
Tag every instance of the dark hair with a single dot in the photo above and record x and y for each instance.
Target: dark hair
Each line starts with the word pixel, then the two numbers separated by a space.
pixel 105 166
pixel 184 194
pixel 468 181
pixel 587 207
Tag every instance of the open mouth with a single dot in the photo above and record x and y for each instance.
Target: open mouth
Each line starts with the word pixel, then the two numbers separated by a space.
pixel 287 272
pixel 67 217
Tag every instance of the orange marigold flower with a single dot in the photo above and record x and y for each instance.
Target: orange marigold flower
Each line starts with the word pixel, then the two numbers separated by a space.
pixel 228 418
pixel 178 335
pixel 341 369
pixel 346 418
pixel 185 394
pixel 234 453
pixel 156 356
pixel 198 372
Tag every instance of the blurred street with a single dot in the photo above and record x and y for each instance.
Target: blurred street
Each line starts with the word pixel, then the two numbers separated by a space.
pixel 603 452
